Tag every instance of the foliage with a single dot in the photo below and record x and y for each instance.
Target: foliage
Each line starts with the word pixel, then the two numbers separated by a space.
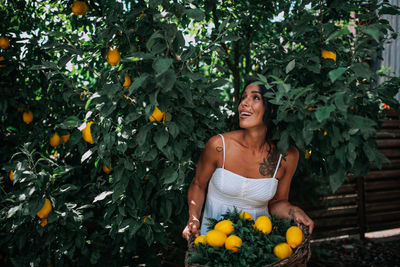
pixel 56 67
pixel 256 249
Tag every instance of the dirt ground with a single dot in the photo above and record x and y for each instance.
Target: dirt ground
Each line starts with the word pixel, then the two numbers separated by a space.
pixel 354 252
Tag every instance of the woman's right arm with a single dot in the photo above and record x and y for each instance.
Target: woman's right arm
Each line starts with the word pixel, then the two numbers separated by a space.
pixel 206 166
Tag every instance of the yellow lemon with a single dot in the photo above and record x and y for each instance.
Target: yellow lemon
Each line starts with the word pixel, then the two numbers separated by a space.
pixel 11 176
pixel 2 59
pixel 325 133
pixel 127 81
pixel 79 8
pixel 66 137
pixel 225 226
pixel 200 239
pixel 27 117
pixel 43 222
pixel 283 250
pixel 107 169
pixel 233 243
pixel 45 210
pixel 113 56
pixel 216 238
pixel 4 42
pixel 294 236
pixel 87 134
pixel 55 140
pixel 247 216
pixel 157 115
pixel 328 54
pixel 307 155
pixel 263 224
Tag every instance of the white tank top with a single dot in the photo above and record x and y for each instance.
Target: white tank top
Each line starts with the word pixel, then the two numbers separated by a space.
pixel 227 189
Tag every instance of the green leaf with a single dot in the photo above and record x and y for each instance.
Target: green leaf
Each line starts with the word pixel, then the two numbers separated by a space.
pixel 336 74
pixel 171 178
pixel 142 135
pixel 340 101
pixel 195 14
pixel 161 138
pixel 166 80
pixel 336 179
pixel 324 112
pixel 290 66
pixel 338 34
pixel 160 65
pixel 70 123
pixel 362 70
pixel 374 32
pixel 173 129
pixel 138 82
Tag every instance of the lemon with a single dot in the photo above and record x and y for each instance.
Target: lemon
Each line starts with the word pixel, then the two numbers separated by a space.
pixel 87 134
pixel 328 54
pixel 107 169
pixel 157 115
pixel 294 236
pixel 127 81
pixel 200 239
pixel 263 224
pixel 307 155
pixel 216 238
pixel 4 42
pixel 233 243
pixel 283 250
pixel 113 56
pixel 11 176
pixel 225 226
pixel 247 216
pixel 45 210
pixel 27 117
pixel 43 222
pixel 66 137
pixel 55 140
pixel 79 8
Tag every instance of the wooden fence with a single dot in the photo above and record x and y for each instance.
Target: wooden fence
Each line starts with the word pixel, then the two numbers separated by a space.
pixel 370 203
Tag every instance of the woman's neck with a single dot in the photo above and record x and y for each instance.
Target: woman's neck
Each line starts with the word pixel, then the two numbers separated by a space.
pixel 254 139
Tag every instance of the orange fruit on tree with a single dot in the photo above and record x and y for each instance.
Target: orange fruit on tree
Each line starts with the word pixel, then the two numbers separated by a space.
pixel 65 137
pixel 107 169
pixel 233 243
pixel 225 226
pixel 216 238
pixel 4 42
pixel 157 115
pixel 45 210
pixel 328 54
pixel 43 222
pixel 79 8
pixel 294 236
pixel 87 133
pixel 113 56
pixel 263 224
pixel 127 81
pixel 307 154
pixel 2 59
pixel 27 117
pixel 200 239
pixel 283 250
pixel 55 140
pixel 247 216
pixel 11 175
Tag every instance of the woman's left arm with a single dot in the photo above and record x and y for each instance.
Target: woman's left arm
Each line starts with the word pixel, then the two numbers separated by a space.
pixel 280 205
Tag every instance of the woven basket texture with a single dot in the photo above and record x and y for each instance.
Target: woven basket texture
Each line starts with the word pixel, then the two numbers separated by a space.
pixel 300 256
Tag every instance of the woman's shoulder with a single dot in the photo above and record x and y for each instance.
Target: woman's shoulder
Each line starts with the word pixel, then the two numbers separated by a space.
pixel 216 140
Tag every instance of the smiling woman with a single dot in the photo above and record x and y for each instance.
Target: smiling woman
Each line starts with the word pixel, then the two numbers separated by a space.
pixel 244 169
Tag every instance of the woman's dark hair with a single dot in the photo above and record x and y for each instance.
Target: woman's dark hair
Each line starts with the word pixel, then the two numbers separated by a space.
pixel 270 109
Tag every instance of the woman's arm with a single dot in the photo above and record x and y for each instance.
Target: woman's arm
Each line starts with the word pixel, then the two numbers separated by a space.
pixel 207 164
pixel 280 205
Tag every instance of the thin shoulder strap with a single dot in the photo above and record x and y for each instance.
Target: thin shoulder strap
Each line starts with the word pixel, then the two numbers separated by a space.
pixel 223 142
pixel 277 165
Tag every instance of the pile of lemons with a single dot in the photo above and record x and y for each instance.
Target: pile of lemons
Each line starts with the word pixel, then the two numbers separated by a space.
pixel 221 236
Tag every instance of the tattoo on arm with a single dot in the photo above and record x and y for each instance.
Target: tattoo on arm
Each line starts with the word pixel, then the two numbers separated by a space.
pixel 219 148
pixel 267 167
pixel 291 213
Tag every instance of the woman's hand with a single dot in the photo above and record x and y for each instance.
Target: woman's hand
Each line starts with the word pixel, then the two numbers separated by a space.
pixel 299 216
pixel 193 227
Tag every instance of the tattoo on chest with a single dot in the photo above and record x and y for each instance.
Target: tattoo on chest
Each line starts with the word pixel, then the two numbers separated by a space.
pixel 219 148
pixel 267 167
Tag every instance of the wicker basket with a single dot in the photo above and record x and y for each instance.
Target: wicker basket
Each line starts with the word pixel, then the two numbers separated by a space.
pixel 300 256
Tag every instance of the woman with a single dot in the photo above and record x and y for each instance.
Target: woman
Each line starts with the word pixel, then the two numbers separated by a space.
pixel 229 159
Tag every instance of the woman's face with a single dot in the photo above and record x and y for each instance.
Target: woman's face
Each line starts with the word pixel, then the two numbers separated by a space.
pixel 251 108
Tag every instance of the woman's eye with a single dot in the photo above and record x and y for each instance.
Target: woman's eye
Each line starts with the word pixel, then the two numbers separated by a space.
pixel 257 97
